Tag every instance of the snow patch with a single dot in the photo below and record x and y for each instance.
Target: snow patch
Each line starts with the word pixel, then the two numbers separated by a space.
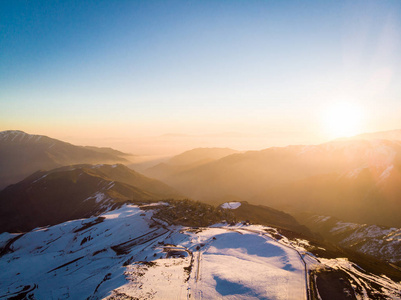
pixel 344 226
pixel 354 173
pixel 40 178
pixel 386 173
pixel 322 219
pixel 231 205
pixel 98 197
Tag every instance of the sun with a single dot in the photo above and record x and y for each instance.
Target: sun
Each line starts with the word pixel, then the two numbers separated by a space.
pixel 342 119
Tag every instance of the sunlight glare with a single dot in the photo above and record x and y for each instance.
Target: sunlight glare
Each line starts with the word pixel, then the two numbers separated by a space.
pixel 342 119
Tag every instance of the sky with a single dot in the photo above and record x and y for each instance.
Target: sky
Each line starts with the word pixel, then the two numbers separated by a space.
pixel 158 77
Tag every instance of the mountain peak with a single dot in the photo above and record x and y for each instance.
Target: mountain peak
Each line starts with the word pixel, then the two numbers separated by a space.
pixel 18 136
pixel 22 154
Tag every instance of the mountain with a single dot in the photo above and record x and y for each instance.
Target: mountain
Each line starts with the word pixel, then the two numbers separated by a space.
pixel 381 135
pixel 129 254
pixel 260 214
pixel 21 154
pixel 364 195
pixel 107 150
pixel 198 155
pixel 357 180
pixel 66 193
pixel 186 161
pixel 378 241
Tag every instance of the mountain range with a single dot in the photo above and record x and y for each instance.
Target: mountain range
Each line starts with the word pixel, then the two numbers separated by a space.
pixel 296 222
pixel 21 154
pixel 186 161
pixel 377 241
pixel 74 192
pixel 357 180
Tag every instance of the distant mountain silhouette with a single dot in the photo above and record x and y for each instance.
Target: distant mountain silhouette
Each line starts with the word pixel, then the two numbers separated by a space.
pixel 358 180
pixel 381 135
pixel 66 193
pixel 21 154
pixel 187 160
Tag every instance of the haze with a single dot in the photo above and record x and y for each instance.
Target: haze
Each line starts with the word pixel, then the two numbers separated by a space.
pixel 200 149
pixel 157 77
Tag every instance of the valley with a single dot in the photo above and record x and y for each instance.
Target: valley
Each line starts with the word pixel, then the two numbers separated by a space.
pixel 105 231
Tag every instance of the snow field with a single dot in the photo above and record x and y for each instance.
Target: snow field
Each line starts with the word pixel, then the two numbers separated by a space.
pixel 243 265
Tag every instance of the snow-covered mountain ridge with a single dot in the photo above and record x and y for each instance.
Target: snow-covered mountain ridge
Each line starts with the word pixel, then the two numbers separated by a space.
pixel 128 254
pixel 18 136
pixel 378 241
pixel 73 192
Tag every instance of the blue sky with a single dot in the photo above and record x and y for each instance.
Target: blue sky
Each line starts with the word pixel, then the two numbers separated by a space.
pixel 82 70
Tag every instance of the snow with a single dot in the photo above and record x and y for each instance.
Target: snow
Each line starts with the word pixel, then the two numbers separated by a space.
pixel 5 237
pixel 4 135
pixel 355 173
pixel 309 150
pixel 126 252
pixel 240 264
pixel 386 173
pixel 98 197
pixel 365 281
pixel 231 205
pixel 379 241
pixel 322 219
pixel 156 204
pixel 44 176
pixel 381 154
pixel 128 211
pixel 344 226
pixel 44 257
pixel 18 136
pixel 111 184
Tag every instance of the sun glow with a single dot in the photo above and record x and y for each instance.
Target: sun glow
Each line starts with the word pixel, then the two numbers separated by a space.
pixel 343 119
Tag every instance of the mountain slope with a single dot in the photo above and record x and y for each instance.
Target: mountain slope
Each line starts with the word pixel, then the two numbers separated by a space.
pixel 186 161
pixel 394 135
pixel 21 154
pixel 66 193
pixel 356 180
pixel 127 254
pixel 259 214
pixel 366 195
pixel 200 154
pixel 378 241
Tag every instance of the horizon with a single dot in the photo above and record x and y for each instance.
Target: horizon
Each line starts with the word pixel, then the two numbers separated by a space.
pixel 160 78
pixel 149 155
pixel 246 149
